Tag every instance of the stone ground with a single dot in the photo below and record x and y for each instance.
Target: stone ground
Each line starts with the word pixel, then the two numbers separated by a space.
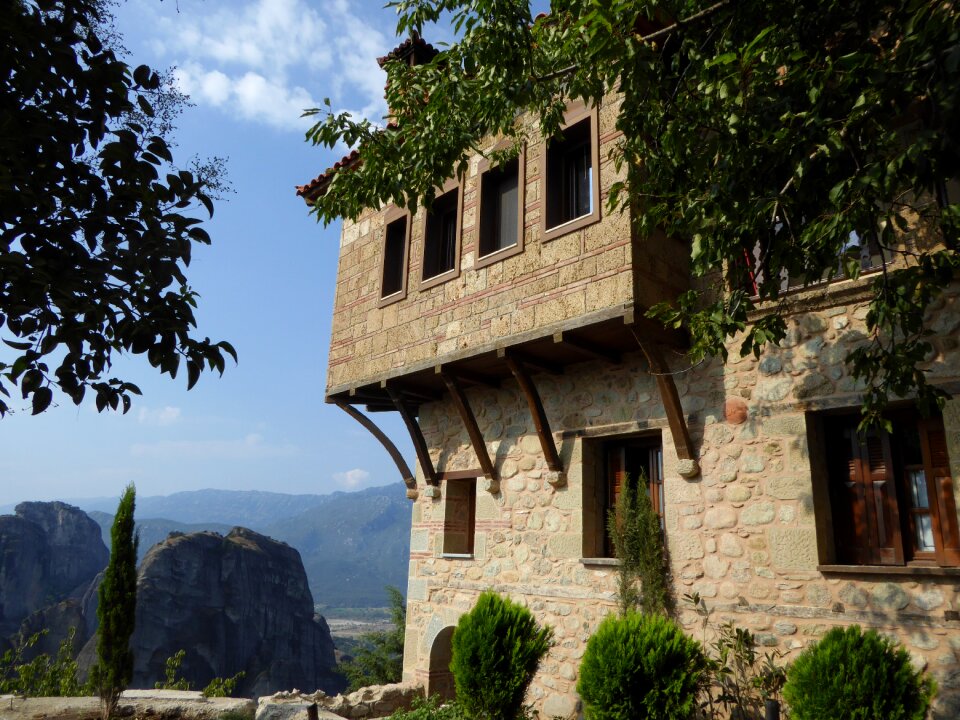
pixel 138 704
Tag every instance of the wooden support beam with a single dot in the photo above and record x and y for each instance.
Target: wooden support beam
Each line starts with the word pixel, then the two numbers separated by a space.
pixel 416 436
pixel 467 376
pixel 470 422
pixel 530 361
pixel 364 396
pixel 380 407
pixel 591 349
pixel 540 421
pixel 671 401
pixel 408 477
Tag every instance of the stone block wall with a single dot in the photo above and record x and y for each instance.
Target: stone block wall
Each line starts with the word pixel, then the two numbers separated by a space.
pixel 743 534
pixel 584 272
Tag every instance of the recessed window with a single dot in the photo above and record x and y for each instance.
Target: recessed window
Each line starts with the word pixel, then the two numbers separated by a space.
pixel 393 280
pixel 500 213
pixel 441 235
pixel 572 193
pixel 891 496
pixel 459 517
pixel 637 459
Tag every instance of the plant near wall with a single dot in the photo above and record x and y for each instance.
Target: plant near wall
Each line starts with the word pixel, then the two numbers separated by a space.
pixel 496 650
pixel 223 687
pixel 634 527
pixel 43 676
pixel 859 675
pixel 171 671
pixel 641 666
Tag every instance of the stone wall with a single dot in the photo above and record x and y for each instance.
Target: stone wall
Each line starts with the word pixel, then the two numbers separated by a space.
pixel 585 272
pixel 743 534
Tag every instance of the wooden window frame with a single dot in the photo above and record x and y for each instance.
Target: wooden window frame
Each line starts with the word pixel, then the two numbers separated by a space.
pixel 391 216
pixel 426 283
pixel 598 500
pixel 484 167
pixel 872 524
pixel 460 479
pixel 575 113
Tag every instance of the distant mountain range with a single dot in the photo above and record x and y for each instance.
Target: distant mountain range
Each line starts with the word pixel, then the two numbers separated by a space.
pixel 352 543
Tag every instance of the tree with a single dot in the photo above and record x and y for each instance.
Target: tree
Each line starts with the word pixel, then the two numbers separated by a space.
pixel 96 224
pixel 379 656
pixel 116 611
pixel 777 137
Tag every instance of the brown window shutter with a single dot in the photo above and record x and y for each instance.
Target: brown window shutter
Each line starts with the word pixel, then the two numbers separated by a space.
pixel 936 467
pixel 848 501
pixel 616 475
pixel 881 498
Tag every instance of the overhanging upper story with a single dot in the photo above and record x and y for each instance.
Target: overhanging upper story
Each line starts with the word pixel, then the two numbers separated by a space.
pixel 521 258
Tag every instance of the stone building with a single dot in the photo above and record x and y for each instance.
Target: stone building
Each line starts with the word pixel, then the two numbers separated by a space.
pixel 505 323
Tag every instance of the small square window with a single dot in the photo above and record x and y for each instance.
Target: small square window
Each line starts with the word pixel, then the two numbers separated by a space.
pixel 393 280
pixel 441 235
pixel 459 518
pixel 572 193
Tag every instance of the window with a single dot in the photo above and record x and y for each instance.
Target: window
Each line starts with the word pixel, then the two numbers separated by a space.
pixel 396 240
pixel 866 247
pixel 441 241
pixel 570 162
pixel 501 209
pixel 459 518
pixel 635 459
pixel 891 496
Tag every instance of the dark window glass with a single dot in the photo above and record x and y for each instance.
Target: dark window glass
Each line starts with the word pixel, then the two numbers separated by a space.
pixel 500 200
pixel 569 193
pixel 459 520
pixel 394 254
pixel 440 243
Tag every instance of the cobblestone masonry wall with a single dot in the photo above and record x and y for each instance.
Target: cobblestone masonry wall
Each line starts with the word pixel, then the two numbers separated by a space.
pixel 583 272
pixel 742 534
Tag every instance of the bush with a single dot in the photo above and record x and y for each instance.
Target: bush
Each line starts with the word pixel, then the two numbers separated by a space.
pixel 496 647
pixel 855 675
pixel 379 657
pixel 43 676
pixel 432 708
pixel 640 666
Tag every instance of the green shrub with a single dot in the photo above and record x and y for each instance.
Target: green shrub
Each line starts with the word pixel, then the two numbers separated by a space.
pixel 43 676
pixel 634 527
pixel 378 659
pixel 640 666
pixel 171 671
pixel 432 708
pixel 220 687
pixel 856 676
pixel 496 647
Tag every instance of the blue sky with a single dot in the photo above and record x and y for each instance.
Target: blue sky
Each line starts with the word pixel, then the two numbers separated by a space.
pixel 266 284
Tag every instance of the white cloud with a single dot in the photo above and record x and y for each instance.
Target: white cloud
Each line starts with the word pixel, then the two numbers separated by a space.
pixel 351 479
pixel 164 417
pixel 254 59
pixel 250 447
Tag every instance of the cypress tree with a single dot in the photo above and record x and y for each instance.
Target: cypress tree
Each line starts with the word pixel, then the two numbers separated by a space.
pixel 116 609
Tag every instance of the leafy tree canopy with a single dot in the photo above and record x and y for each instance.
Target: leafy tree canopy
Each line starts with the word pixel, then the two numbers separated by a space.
pixel 773 130
pixel 96 222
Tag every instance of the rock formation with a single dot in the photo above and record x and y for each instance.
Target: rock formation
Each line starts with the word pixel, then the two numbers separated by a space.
pixel 49 552
pixel 234 603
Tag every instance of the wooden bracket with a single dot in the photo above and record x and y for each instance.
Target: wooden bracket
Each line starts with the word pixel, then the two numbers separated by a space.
pixel 408 478
pixel 671 405
pixel 540 421
pixel 416 436
pixel 470 422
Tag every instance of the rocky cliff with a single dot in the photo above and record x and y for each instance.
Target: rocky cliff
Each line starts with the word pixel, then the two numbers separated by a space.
pixel 234 603
pixel 49 553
